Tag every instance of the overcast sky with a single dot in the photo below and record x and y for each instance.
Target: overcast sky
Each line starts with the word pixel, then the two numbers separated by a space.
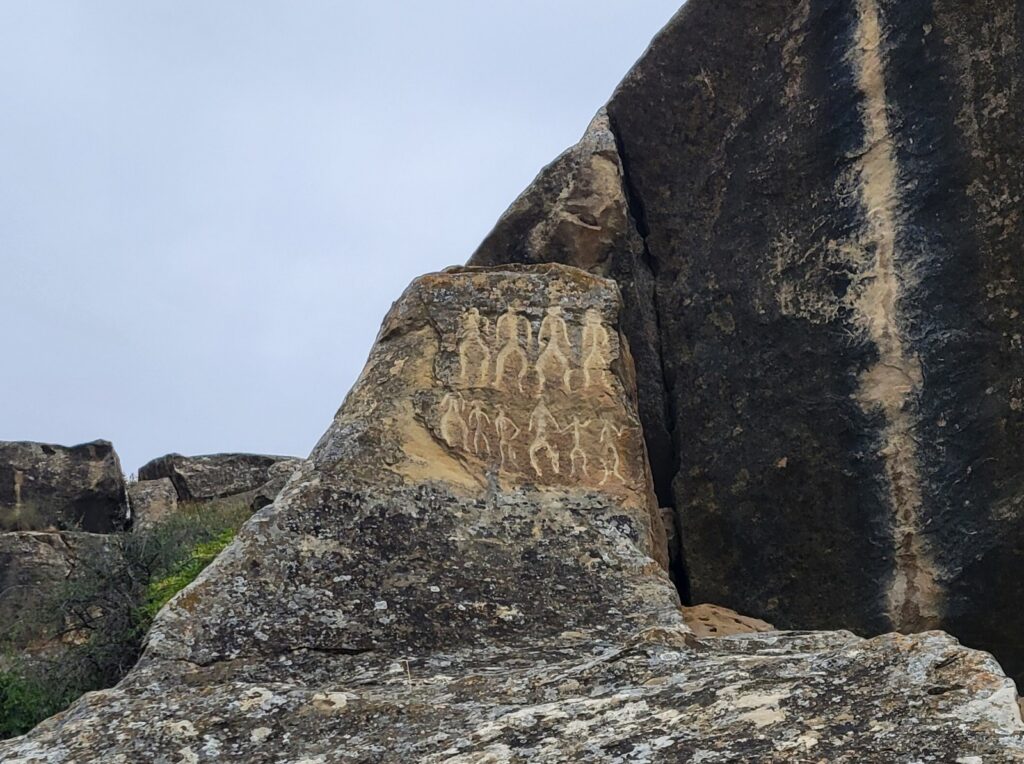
pixel 207 206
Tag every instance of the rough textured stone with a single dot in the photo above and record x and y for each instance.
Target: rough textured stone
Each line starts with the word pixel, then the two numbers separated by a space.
pixel 151 501
pixel 215 476
pixel 577 212
pixel 34 566
pixel 714 621
pixel 828 195
pixel 278 475
pixel 436 584
pixel 46 487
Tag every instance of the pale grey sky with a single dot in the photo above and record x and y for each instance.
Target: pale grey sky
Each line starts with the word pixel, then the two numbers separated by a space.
pixel 207 206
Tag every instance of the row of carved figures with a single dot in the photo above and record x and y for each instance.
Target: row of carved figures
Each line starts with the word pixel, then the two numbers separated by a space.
pixel 471 426
pixel 513 345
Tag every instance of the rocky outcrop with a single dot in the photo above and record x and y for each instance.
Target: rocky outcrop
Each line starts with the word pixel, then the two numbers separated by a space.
pixel 50 487
pixel 466 570
pixel 34 569
pixel 152 501
pixel 215 476
pixel 827 196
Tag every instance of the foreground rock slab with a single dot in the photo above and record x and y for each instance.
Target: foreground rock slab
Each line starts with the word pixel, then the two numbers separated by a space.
pixel 49 487
pixel 661 697
pixel 470 568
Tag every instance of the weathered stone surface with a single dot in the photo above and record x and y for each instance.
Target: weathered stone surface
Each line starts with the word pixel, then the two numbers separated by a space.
pixel 577 212
pixel 47 487
pixel 828 195
pixel 464 571
pixel 825 697
pixel 278 475
pixel 34 566
pixel 151 501
pixel 215 476
pixel 715 621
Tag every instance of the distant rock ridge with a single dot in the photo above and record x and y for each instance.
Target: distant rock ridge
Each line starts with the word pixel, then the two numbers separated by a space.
pixel 470 567
pixel 215 476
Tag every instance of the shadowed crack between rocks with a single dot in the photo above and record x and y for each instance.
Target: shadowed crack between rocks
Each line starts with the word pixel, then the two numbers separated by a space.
pixel 663 478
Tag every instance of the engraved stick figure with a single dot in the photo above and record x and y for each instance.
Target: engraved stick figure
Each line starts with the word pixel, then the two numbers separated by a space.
pixel 507 433
pixel 577 453
pixel 474 355
pixel 453 426
pixel 554 337
pixel 596 351
pixel 478 420
pixel 510 330
pixel 609 451
pixel 540 419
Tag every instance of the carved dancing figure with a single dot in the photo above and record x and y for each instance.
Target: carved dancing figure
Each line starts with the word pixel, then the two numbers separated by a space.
pixel 478 421
pixel 540 420
pixel 510 330
pixel 577 453
pixel 453 425
pixel 596 351
pixel 507 433
pixel 554 338
pixel 474 355
pixel 609 451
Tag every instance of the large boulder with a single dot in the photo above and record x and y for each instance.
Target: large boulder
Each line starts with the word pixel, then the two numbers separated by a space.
pixel 215 476
pixel 469 568
pixel 827 196
pixel 35 569
pixel 152 501
pixel 47 487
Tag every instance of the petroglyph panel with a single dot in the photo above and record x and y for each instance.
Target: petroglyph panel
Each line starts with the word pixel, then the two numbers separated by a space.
pixel 529 387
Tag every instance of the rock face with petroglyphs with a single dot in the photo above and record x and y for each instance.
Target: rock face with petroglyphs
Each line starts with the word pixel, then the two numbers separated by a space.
pixel 827 197
pixel 469 568
pixel 50 487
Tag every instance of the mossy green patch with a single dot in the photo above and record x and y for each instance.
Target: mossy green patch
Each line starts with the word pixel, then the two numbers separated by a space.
pixel 160 591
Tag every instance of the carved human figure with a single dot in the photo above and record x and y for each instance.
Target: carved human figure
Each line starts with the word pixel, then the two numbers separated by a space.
pixel 596 350
pixel 609 451
pixel 474 354
pixel 553 360
pixel 540 420
pixel 507 433
pixel 478 424
pixel 577 455
pixel 513 333
pixel 453 425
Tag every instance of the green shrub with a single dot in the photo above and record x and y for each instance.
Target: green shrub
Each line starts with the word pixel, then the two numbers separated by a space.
pixel 106 609
pixel 26 698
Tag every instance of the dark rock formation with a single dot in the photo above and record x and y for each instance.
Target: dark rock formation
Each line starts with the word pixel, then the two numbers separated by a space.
pixel 465 571
pixel 152 501
pixel 45 487
pixel 278 475
pixel 827 196
pixel 34 567
pixel 214 476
